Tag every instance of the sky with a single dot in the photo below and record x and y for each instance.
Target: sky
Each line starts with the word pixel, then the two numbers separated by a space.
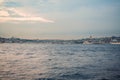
pixel 59 19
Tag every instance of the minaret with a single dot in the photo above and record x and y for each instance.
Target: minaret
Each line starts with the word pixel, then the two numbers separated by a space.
pixel 90 37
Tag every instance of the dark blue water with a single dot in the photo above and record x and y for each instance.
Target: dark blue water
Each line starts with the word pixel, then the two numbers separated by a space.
pixel 59 62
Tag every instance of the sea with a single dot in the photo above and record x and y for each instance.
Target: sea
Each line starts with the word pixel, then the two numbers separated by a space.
pixel 45 61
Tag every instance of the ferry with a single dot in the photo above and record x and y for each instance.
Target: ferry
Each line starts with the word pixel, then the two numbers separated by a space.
pixel 114 42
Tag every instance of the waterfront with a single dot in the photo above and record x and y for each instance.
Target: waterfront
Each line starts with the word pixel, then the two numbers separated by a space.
pixel 90 40
pixel 44 61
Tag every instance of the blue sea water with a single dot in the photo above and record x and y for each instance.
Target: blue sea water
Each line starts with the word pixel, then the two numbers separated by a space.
pixel 30 61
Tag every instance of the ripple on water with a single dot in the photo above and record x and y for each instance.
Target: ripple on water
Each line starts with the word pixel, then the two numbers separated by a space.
pixel 59 62
pixel 76 76
pixel 46 79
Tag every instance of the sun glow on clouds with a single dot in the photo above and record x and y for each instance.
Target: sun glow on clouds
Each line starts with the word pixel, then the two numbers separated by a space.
pixel 16 15
pixel 1 1
pixel 11 14
pixel 4 13
pixel 39 19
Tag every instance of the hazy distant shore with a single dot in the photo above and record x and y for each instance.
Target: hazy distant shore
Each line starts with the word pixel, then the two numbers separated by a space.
pixel 103 40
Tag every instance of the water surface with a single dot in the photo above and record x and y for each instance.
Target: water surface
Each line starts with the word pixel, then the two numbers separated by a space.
pixel 59 62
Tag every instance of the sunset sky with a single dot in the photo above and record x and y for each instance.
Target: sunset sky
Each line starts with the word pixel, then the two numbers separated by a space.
pixel 59 19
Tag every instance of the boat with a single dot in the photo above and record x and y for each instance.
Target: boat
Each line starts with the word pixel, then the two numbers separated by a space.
pixel 114 42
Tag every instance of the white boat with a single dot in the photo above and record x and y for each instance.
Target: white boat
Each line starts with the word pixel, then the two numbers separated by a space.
pixel 87 42
pixel 114 42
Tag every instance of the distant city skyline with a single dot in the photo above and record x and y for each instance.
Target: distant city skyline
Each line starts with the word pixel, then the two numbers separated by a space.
pixel 59 19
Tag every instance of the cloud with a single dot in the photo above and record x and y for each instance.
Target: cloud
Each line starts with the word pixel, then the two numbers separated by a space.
pixel 1 1
pixel 19 12
pixel 39 19
pixel 11 12
pixel 4 13
pixel 12 4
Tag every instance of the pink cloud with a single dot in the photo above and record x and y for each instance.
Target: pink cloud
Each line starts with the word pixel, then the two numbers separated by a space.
pixel 8 17
pixel 18 12
pixel 4 13
pixel 38 19
pixel 1 1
